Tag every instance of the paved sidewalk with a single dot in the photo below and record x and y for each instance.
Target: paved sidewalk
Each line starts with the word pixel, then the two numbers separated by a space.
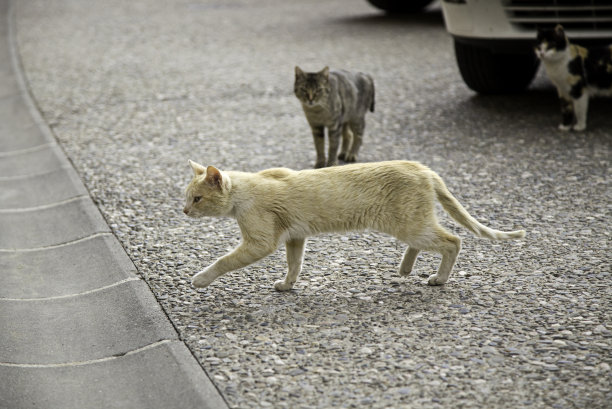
pixel 79 328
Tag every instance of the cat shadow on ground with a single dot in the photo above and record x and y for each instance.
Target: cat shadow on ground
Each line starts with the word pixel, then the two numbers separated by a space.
pixel 301 307
pixel 538 106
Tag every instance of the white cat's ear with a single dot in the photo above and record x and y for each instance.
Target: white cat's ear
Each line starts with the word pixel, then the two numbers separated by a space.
pixel 213 176
pixel 298 71
pixel 325 72
pixel 198 169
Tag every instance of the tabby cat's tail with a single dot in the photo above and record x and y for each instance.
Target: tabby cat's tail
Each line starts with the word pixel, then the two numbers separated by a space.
pixel 458 212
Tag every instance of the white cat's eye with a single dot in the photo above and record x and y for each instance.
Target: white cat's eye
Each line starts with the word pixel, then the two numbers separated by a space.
pixel 197 199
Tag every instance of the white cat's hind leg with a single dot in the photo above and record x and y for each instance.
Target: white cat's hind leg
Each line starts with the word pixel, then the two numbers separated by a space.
pixel 448 246
pixel 408 261
pixel 295 254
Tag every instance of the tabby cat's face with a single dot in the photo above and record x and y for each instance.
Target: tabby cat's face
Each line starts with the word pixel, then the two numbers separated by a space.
pixel 312 88
pixel 551 43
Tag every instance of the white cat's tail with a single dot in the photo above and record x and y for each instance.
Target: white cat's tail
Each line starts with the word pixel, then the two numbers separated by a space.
pixel 458 212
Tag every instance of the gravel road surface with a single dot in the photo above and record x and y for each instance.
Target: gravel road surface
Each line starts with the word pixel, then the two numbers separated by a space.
pixel 132 90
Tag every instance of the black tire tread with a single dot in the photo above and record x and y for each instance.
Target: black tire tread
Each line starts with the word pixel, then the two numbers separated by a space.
pixel 487 72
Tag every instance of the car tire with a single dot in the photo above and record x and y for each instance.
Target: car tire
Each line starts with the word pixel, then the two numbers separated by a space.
pixel 400 6
pixel 487 72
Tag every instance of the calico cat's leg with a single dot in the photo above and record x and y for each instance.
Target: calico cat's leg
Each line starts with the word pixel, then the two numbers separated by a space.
pixel 408 261
pixel 334 135
pixel 567 114
pixel 347 140
pixel 581 107
pixel 448 245
pixel 318 133
pixel 245 254
pixel 357 127
pixel 295 254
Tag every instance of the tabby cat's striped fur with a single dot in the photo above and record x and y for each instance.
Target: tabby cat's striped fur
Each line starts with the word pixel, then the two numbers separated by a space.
pixel 336 100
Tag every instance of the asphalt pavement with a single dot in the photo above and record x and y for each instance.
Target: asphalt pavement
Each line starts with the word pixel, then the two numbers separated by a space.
pixel 132 90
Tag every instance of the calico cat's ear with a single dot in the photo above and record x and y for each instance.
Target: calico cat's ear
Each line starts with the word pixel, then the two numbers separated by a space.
pixel 213 176
pixel 325 72
pixel 198 169
pixel 559 30
pixel 298 72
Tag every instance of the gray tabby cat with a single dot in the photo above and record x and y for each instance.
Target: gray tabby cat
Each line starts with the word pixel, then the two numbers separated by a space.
pixel 336 100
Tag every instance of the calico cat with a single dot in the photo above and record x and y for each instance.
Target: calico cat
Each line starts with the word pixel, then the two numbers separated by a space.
pixel 577 72
pixel 338 101
pixel 278 206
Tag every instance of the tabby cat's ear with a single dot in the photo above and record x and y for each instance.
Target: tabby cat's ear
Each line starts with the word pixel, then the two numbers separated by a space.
pixel 325 72
pixel 559 29
pixel 213 176
pixel 198 169
pixel 298 71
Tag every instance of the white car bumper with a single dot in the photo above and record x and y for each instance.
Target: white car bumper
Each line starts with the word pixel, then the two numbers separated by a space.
pixel 519 19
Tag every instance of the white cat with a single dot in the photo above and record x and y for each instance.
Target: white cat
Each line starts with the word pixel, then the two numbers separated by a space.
pixel 278 206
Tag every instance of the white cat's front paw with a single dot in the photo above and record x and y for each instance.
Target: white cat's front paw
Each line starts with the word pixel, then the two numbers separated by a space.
pixel 564 128
pixel 281 285
pixel 579 127
pixel 202 279
pixel 435 280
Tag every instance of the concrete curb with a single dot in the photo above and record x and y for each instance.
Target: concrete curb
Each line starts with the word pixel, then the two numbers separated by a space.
pixel 80 328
